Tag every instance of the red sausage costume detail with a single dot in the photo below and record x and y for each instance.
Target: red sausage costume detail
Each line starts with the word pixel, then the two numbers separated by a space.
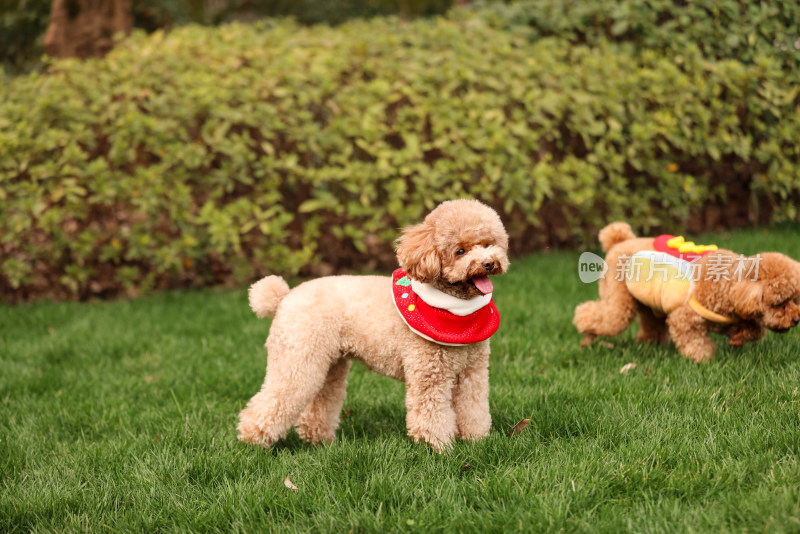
pixel 440 317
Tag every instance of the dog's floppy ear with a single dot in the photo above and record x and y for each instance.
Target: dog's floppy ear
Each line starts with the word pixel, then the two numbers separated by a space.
pixel 417 254
pixel 748 299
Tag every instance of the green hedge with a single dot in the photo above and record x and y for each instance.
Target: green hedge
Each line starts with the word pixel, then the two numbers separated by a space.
pixel 721 29
pixel 216 155
pixel 23 22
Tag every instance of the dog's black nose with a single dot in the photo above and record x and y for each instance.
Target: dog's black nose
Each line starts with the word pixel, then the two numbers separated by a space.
pixel 488 264
pixel 795 321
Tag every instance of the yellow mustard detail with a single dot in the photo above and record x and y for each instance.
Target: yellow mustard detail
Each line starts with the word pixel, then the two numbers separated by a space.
pixel 681 245
pixel 675 241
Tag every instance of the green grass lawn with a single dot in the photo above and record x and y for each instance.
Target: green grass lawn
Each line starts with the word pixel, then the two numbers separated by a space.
pixel 121 416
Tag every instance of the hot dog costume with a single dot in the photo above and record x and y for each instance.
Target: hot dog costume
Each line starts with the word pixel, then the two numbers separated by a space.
pixel 443 318
pixel 661 279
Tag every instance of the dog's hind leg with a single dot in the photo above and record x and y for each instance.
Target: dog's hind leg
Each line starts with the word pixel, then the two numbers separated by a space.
pixel 320 419
pixel 295 375
pixel 610 315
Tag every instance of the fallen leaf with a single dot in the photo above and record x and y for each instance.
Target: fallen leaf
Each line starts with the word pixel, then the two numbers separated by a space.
pixel 605 344
pixel 288 484
pixel 627 367
pixel 519 427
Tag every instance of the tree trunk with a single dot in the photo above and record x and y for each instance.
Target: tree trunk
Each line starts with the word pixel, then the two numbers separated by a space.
pixel 85 28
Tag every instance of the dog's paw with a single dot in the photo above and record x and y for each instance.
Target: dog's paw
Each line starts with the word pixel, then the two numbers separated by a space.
pixel 249 434
pixel 587 340
pixel 585 317
pixel 249 431
pixel 474 428
pixel 745 332
pixel 737 340
pixel 703 355
pixel 472 436
pixel 315 435
pixel 438 444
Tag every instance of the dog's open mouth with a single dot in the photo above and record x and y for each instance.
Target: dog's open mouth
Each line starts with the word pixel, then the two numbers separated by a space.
pixel 482 284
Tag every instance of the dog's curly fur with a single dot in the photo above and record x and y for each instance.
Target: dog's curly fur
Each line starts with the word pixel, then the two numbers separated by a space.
pixel 772 301
pixel 323 324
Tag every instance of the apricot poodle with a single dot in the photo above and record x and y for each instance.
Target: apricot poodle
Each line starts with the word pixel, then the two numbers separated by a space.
pixel 740 297
pixel 320 326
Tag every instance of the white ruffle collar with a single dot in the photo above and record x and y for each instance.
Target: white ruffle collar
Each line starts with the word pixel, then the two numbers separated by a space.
pixel 438 299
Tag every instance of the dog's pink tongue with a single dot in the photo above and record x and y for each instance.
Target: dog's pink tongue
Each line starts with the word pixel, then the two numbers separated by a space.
pixel 483 284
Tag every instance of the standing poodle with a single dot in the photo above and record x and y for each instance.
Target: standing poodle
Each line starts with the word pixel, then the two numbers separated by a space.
pixel 740 297
pixel 428 326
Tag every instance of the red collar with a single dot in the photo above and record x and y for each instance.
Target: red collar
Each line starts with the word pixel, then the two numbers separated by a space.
pixel 437 324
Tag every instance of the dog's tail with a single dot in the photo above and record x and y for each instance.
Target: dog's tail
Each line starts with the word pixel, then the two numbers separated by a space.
pixel 266 294
pixel 614 233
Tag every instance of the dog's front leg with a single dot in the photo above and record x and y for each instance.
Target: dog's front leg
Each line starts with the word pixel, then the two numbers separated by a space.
pixel 689 332
pixel 429 409
pixel 471 398
pixel 745 332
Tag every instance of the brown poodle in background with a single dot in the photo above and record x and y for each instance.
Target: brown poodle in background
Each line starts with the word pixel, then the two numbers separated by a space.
pixel 320 326
pixel 742 309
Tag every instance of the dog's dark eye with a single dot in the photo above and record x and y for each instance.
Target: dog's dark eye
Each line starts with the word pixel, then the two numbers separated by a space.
pixel 460 252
